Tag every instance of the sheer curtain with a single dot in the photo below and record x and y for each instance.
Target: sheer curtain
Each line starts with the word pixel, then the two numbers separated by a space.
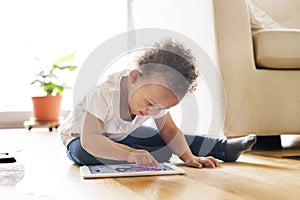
pixel 34 33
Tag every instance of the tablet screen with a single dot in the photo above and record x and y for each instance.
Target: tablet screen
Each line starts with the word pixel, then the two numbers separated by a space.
pixel 126 168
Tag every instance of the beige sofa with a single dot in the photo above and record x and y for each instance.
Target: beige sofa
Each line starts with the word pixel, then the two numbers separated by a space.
pixel 258 53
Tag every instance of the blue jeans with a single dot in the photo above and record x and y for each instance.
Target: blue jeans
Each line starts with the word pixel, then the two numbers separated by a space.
pixel 148 138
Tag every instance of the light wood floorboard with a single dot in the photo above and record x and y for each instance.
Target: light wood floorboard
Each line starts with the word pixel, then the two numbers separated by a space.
pixel 43 171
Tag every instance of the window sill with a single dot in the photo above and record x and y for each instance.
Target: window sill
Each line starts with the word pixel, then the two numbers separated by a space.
pixel 15 119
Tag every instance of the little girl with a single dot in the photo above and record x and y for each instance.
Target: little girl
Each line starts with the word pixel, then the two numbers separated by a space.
pixel 106 126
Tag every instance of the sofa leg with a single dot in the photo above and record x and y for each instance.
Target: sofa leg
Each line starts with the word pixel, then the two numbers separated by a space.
pixel 268 143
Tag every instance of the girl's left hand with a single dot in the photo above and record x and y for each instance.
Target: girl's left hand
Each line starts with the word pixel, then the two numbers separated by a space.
pixel 199 162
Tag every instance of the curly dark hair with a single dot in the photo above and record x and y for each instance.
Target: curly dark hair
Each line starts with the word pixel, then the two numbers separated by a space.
pixel 169 54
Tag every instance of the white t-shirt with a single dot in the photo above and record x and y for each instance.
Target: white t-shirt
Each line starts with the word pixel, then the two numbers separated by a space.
pixel 104 103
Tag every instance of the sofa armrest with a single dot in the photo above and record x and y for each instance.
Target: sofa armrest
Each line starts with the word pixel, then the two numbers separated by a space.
pixel 234 49
pixel 277 49
pixel 233 34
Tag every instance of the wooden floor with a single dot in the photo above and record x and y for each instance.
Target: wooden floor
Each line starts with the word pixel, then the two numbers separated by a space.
pixel 43 171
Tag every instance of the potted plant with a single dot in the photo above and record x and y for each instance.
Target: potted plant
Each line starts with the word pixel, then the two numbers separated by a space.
pixel 47 108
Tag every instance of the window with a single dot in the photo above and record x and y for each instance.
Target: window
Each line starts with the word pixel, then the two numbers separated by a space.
pixel 34 33
pixel 49 29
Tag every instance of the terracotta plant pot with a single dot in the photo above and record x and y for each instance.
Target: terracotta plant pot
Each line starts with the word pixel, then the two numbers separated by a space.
pixel 46 108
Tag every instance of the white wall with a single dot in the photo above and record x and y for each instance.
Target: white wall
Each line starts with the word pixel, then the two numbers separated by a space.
pixel 192 18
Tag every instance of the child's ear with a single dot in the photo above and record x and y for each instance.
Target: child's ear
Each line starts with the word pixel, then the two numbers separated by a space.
pixel 133 76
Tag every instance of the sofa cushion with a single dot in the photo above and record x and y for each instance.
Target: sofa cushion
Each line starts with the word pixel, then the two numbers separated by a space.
pixel 284 12
pixel 277 49
pixel 260 20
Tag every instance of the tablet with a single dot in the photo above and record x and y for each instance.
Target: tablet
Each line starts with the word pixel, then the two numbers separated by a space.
pixel 123 170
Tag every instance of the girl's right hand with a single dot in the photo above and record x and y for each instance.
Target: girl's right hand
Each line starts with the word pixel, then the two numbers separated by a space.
pixel 142 158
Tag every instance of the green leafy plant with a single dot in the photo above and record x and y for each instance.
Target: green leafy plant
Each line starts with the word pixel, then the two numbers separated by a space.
pixel 49 81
